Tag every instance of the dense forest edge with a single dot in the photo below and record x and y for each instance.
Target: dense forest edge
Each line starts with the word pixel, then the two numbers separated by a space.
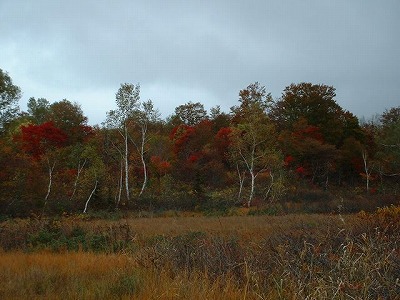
pixel 299 153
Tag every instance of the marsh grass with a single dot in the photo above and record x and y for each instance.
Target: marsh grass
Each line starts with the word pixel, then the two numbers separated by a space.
pixel 238 257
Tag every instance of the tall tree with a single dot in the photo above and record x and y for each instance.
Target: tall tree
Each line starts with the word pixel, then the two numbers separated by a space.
pixel 42 142
pixel 388 142
pixel 254 137
pixel 144 116
pixel 390 117
pixel 309 154
pixel 255 96
pixel 128 101
pixel 69 118
pixel 191 113
pixel 9 97
pixel 317 105
pixel 219 119
pixel 38 110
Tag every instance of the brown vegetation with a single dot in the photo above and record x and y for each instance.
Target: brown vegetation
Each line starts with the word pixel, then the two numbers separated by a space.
pixel 239 257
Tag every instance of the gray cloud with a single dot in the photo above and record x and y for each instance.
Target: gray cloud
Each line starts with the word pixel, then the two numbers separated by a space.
pixel 183 51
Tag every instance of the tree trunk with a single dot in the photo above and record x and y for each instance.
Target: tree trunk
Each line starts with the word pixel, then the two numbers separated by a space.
pixel 253 179
pixel 143 161
pixel 253 176
pixel 90 197
pixel 366 169
pixel 241 182
pixel 51 168
pixel 80 168
pixel 120 186
pixel 126 165
pixel 270 186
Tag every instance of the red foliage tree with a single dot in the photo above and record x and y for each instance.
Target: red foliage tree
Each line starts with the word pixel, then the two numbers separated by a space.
pixel 307 152
pixel 223 140
pixel 180 135
pixel 159 166
pixel 38 139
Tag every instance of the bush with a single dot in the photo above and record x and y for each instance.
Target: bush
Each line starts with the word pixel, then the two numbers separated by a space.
pixel 272 210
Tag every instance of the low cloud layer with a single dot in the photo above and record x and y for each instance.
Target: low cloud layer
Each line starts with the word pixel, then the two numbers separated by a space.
pixel 182 51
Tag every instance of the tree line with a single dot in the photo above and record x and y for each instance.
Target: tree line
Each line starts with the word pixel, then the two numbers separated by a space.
pixel 263 151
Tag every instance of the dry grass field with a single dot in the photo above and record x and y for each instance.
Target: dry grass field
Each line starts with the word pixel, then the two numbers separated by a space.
pixel 195 257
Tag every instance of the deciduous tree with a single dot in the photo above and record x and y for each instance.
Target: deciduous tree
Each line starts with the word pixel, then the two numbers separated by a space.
pixel 38 110
pixel 254 137
pixel 317 105
pixel 9 97
pixel 143 117
pixel 42 142
pixel 311 156
pixel 191 113
pixel 128 101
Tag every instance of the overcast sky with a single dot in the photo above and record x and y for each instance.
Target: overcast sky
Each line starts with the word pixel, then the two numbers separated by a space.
pixel 204 51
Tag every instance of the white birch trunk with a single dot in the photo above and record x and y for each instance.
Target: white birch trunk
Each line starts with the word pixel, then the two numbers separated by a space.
pixel 51 168
pixel 90 197
pixel 366 169
pixel 144 130
pixel 241 182
pixel 80 168
pixel 126 165
pixel 252 175
pixel 253 179
pixel 119 193
pixel 270 186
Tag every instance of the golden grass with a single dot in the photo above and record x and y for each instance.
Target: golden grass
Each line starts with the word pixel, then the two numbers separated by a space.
pixel 56 276
pixel 14 232
pixel 236 257
pixel 93 276
pixel 239 226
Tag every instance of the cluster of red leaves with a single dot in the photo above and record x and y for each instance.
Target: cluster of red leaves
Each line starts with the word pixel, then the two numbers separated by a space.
pixel 223 140
pixel 288 160
pixel 309 131
pixel 180 135
pixel 38 139
pixel 160 166
pixel 194 157
pixel 301 171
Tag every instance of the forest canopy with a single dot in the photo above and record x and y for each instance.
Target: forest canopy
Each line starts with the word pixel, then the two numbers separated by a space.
pixel 302 147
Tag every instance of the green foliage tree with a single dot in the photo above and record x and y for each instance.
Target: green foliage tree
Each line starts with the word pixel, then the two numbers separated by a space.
pixel 219 119
pixel 317 105
pixel 131 120
pixel 388 145
pixel 390 117
pixel 38 110
pixel 145 116
pixel 128 100
pixel 69 117
pixel 9 97
pixel 94 172
pixel 191 113
pixel 254 97
pixel 254 147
